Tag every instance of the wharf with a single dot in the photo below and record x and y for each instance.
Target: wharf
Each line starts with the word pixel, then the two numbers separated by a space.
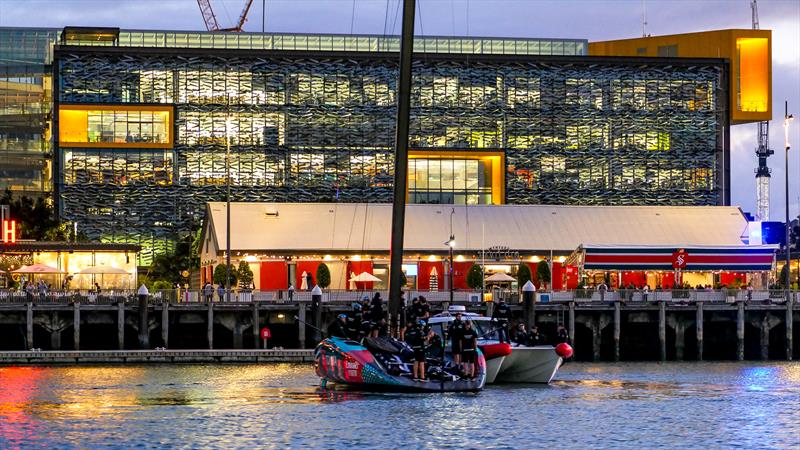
pixel 201 356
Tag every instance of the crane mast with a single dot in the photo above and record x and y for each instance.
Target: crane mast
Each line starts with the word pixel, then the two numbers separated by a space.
pixel 210 18
pixel 762 150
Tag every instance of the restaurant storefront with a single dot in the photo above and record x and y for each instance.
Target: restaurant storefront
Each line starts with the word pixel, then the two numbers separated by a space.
pixel 673 267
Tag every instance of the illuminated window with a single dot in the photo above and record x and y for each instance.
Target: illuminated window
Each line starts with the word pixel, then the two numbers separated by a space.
pixel 455 179
pixel 753 74
pixel 115 126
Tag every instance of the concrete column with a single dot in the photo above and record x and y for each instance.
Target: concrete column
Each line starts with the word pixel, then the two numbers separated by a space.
pixel 76 325
pixel 29 326
pixel 680 329
pixel 301 325
pixel 55 331
pixel 572 322
pixel 121 325
pixel 662 330
pixel 210 329
pixel 765 327
pixel 740 331
pixel 144 322
pixel 617 326
pixel 597 335
pixel 256 326
pixel 165 323
pixel 699 330
pixel 789 328
pixel 238 334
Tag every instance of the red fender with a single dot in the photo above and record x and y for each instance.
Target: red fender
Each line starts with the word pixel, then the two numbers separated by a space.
pixel 491 351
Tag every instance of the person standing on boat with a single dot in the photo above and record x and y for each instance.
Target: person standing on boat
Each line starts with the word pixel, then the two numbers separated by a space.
pixel 501 315
pixel 469 349
pixel 421 309
pixel 416 339
pixel 376 315
pixel 563 335
pixel 455 331
pixel 535 337
pixel 353 326
pixel 339 327
pixel 521 336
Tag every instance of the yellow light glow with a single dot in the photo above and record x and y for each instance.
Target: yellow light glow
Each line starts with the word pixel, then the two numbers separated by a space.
pixel 753 74
pixel 460 258
pixel 535 259
pixel 356 258
pixel 432 258
pixel 328 258
pixel 250 259
pixel 561 259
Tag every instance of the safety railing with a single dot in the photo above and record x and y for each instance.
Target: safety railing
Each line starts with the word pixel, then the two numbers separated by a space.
pixel 346 297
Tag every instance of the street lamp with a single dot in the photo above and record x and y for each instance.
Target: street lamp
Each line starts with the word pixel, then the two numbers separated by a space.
pixel 786 119
pixel 228 207
pixel 451 244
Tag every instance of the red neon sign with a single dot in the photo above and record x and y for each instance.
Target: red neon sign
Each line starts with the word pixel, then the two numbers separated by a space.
pixel 9 231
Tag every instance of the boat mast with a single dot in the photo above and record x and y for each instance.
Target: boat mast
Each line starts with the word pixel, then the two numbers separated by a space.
pixel 401 164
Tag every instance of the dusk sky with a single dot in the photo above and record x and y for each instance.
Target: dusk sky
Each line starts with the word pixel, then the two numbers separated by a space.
pixel 593 20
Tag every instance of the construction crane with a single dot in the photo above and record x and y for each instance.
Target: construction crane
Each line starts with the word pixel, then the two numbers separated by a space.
pixel 211 19
pixel 762 151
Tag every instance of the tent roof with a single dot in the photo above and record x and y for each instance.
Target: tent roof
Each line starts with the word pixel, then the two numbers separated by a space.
pixel 362 228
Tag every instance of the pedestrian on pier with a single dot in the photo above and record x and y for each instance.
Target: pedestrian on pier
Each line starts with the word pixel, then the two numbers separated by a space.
pixel 208 292
pixel 220 292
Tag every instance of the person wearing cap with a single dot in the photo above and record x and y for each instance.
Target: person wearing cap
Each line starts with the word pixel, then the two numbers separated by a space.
pixel 469 349
pixel 455 332
pixel 339 327
pixel 415 337
pixel 501 316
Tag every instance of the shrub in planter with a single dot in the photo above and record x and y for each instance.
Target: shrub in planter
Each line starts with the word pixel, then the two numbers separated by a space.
pixel 323 276
pixel 245 275
pixel 475 277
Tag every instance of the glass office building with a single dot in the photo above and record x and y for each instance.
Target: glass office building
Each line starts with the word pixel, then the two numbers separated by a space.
pixel 143 123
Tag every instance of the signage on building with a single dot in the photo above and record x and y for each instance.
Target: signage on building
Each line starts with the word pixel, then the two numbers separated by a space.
pixel 679 259
pixel 501 253
pixel 9 231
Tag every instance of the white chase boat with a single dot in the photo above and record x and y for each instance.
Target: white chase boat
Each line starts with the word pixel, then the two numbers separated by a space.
pixel 505 363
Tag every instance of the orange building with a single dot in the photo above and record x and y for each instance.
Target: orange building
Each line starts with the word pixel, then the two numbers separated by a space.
pixel 749 53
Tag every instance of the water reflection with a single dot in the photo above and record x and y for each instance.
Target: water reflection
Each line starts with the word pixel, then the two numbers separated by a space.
pixel 282 405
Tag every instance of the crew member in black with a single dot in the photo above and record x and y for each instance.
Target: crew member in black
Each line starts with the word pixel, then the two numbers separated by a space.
pixel 562 335
pixel 376 315
pixel 501 315
pixel 415 337
pixel 339 327
pixel 410 314
pixel 536 338
pixel 455 332
pixel 354 323
pixel 421 309
pixel 469 348
pixel 521 336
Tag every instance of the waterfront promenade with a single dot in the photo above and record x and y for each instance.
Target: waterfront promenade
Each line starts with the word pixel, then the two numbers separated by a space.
pixel 626 325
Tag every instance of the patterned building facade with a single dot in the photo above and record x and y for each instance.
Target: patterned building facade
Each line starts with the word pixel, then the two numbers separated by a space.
pixel 143 133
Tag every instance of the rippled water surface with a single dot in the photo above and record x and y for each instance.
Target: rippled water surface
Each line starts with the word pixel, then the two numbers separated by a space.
pixel 591 405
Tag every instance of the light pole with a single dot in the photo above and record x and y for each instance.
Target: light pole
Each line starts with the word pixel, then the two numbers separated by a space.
pixel 451 243
pixel 228 208
pixel 786 119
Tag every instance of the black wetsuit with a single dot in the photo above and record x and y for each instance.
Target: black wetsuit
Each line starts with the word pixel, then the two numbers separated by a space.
pixel 502 314
pixel 535 339
pixel 455 331
pixel 420 310
pixel 468 340
pixel 353 325
pixel 522 337
pixel 563 336
pixel 338 329
pixel 415 338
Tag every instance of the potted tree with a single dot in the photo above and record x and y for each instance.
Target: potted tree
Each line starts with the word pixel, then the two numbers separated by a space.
pixel 245 281
pixel 543 273
pixel 323 277
pixel 219 276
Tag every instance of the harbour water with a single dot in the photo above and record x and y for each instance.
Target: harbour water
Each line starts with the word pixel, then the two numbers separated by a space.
pixel 642 405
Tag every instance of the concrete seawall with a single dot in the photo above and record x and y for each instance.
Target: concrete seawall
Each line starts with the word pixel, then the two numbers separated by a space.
pixel 155 357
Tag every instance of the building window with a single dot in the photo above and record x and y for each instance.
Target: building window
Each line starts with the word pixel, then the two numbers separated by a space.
pixel 115 126
pixel 455 180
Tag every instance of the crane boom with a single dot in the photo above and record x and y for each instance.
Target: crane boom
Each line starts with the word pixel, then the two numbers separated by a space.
pixel 208 15
pixel 211 19
pixel 754 9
